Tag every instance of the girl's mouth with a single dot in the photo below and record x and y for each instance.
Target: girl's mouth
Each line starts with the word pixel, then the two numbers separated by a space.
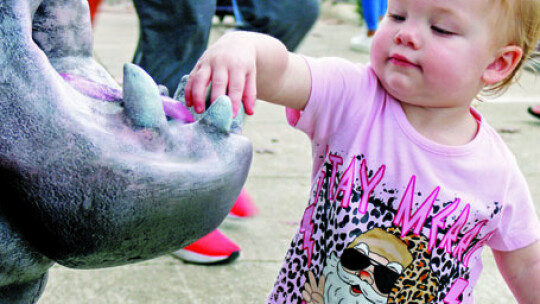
pixel 402 61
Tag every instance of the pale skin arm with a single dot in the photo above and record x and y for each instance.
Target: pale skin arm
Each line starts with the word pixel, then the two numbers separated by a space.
pixel 521 271
pixel 249 66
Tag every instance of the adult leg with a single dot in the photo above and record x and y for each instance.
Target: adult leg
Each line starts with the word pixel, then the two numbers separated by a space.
pixel 370 9
pixel 383 7
pixel 372 12
pixel 287 20
pixel 173 35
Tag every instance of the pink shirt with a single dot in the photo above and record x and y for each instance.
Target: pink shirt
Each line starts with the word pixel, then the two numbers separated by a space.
pixel 393 215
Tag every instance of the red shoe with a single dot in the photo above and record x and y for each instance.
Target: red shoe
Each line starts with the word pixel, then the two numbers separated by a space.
pixel 94 5
pixel 214 248
pixel 244 206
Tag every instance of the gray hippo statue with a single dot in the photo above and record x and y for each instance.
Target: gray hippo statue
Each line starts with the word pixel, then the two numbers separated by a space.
pixel 93 174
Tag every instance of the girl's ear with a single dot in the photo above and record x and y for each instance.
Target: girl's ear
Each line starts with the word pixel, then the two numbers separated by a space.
pixel 503 65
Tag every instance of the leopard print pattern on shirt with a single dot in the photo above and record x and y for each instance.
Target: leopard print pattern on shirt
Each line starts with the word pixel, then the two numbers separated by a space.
pixel 417 284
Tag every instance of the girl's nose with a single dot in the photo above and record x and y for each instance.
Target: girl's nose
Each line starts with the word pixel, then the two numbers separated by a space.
pixel 407 37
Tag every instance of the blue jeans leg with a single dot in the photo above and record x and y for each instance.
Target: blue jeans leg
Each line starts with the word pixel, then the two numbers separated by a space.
pixel 287 20
pixel 373 10
pixel 370 10
pixel 173 35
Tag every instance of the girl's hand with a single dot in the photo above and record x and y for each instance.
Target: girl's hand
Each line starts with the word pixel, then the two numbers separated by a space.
pixel 229 66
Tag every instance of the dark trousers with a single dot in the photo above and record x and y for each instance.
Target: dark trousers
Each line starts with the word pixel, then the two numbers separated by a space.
pixel 286 20
pixel 174 33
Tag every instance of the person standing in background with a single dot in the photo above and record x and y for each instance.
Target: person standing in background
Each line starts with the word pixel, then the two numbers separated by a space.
pixel 287 20
pixel 372 12
pixel 174 34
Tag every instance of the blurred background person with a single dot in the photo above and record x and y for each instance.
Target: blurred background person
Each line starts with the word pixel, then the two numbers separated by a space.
pixel 371 11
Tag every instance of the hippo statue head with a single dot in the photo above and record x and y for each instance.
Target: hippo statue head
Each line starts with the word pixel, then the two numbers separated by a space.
pixel 92 174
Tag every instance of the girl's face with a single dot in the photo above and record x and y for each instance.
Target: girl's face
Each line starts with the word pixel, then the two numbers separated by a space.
pixel 433 53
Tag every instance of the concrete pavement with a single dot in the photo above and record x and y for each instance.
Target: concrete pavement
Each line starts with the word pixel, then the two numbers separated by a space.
pixel 278 181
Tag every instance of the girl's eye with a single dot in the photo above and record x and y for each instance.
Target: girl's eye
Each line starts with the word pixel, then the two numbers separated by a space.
pixel 397 18
pixel 441 31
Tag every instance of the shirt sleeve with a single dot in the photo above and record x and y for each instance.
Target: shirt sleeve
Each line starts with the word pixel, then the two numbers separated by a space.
pixel 519 225
pixel 337 84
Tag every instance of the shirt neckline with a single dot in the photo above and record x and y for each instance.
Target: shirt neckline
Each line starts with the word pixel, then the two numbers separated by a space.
pixel 429 145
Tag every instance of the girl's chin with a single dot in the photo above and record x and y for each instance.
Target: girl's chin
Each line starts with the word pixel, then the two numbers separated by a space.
pixel 400 89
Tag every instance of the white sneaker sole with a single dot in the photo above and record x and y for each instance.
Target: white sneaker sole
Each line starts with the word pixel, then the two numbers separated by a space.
pixel 197 258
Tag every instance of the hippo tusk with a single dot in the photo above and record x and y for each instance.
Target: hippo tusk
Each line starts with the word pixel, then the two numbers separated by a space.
pixel 142 99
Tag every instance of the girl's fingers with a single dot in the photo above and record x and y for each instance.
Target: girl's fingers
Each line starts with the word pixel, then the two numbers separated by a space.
pixel 187 92
pixel 195 91
pixel 220 78
pixel 188 96
pixel 250 93
pixel 236 89
pixel 226 77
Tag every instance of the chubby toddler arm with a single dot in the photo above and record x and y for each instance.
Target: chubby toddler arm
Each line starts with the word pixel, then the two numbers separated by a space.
pixel 521 271
pixel 248 66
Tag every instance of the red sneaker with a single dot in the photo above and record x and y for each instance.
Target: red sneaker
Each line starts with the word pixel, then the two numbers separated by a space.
pixel 214 248
pixel 94 5
pixel 244 206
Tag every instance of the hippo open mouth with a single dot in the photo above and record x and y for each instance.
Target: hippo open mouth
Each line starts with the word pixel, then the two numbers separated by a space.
pixel 91 182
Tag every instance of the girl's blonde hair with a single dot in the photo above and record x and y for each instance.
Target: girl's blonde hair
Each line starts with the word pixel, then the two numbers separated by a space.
pixel 522 22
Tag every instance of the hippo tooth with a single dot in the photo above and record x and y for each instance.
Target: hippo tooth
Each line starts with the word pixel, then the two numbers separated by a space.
pixel 163 91
pixel 142 100
pixel 219 114
pixel 238 121
pixel 179 95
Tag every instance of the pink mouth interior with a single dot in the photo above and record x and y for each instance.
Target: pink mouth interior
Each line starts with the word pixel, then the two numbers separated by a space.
pixel 173 109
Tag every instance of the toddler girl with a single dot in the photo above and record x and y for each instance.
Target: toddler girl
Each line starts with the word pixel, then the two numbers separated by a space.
pixel 409 182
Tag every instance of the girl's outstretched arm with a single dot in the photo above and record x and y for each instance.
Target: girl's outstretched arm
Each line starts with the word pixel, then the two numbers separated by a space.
pixel 248 66
pixel 521 271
